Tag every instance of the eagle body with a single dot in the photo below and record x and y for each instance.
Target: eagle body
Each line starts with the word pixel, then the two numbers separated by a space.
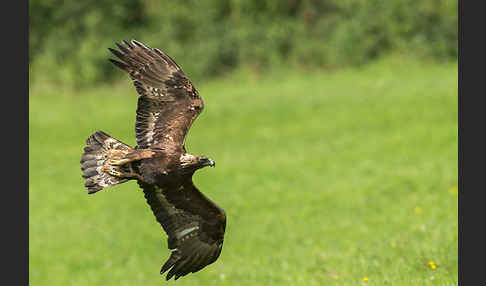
pixel 167 105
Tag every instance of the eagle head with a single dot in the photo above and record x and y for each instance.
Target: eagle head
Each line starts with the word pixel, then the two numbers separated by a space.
pixel 195 161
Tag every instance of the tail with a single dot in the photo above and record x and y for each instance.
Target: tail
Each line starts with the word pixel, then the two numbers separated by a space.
pixel 101 147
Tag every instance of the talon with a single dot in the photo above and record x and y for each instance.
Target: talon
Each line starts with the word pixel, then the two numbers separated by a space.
pixel 114 172
pixel 111 170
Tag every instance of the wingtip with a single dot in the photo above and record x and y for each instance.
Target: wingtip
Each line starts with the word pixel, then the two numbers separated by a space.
pixel 139 44
pixel 128 43
pixel 121 65
pixel 166 267
pixel 169 275
pixel 116 53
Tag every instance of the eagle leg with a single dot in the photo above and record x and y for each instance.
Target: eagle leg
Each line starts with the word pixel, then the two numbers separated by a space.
pixel 119 162
pixel 118 173
pixel 136 155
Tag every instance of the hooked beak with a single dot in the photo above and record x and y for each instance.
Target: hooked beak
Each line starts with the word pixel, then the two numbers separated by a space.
pixel 208 162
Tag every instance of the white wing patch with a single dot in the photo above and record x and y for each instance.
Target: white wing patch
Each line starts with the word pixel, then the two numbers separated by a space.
pixel 150 120
pixel 186 231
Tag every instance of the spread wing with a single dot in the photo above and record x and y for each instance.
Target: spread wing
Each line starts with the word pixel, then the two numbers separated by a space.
pixel 168 102
pixel 195 226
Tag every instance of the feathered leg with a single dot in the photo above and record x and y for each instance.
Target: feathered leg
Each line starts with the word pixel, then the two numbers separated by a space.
pixel 136 155
pixel 113 165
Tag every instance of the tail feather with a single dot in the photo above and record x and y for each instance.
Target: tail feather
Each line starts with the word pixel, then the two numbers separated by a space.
pixel 99 148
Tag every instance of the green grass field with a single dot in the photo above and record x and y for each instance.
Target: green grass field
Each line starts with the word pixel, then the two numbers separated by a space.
pixel 345 178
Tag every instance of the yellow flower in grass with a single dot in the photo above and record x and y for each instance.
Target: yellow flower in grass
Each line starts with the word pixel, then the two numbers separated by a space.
pixel 365 279
pixel 453 191
pixel 417 210
pixel 394 245
pixel 335 276
pixel 432 265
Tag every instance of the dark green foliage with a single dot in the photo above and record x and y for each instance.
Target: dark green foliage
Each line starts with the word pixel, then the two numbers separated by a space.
pixel 68 40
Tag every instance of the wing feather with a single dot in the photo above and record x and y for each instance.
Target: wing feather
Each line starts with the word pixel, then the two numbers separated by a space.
pixel 168 102
pixel 195 226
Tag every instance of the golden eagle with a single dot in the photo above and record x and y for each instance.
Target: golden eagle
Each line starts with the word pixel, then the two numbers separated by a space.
pixel 167 106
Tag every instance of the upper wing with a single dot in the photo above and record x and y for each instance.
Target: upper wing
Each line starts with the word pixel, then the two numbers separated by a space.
pixel 168 102
pixel 195 226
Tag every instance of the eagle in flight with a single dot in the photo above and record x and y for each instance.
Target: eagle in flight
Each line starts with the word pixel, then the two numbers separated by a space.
pixel 168 103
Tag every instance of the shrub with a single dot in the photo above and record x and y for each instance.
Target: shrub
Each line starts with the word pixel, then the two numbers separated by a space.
pixel 69 41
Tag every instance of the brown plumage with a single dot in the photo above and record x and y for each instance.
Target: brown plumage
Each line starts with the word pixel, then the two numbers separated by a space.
pixel 168 103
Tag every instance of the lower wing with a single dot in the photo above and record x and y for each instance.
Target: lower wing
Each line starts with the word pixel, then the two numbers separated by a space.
pixel 195 226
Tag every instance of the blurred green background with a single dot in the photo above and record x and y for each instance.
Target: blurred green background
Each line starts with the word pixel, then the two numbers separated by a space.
pixel 333 125
pixel 68 39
